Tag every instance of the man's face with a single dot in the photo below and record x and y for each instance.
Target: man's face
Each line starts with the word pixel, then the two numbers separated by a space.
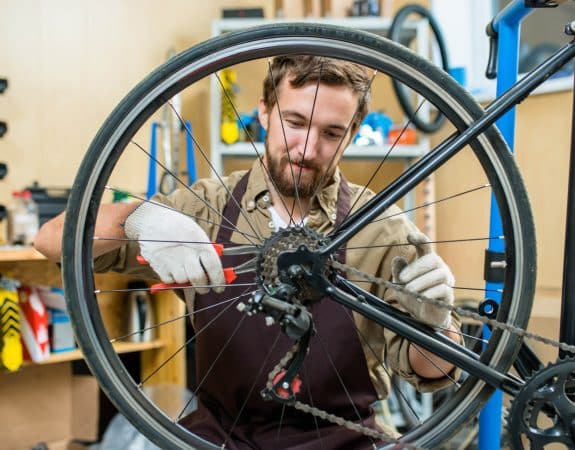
pixel 302 138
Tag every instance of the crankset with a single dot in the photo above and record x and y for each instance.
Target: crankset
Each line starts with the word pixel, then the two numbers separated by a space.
pixel 543 412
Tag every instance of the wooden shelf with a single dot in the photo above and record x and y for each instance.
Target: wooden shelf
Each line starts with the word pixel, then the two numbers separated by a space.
pixel 122 347
pixel 19 253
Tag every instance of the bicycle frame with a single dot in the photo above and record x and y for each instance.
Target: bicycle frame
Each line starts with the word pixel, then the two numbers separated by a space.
pixel 380 312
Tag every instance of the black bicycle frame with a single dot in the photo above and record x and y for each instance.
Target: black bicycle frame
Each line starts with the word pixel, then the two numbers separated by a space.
pixel 567 325
pixel 397 321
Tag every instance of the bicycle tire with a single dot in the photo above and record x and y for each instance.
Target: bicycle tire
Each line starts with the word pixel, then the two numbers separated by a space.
pixel 266 41
pixel 394 33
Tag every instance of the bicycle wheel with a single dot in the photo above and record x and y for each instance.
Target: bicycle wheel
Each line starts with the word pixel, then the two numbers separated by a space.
pixel 115 155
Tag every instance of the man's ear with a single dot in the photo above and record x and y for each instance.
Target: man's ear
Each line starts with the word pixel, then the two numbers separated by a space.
pixel 263 115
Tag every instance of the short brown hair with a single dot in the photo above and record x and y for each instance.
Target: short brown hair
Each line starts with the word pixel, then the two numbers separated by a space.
pixel 308 69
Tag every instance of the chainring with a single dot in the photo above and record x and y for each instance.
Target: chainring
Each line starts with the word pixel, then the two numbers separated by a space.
pixel 543 412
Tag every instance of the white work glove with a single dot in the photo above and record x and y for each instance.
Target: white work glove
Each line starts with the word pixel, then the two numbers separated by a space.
pixel 427 275
pixel 192 259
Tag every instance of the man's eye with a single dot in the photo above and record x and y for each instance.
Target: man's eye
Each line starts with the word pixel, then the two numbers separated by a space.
pixel 333 135
pixel 295 123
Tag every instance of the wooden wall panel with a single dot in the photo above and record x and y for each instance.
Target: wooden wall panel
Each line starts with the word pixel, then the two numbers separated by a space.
pixel 68 64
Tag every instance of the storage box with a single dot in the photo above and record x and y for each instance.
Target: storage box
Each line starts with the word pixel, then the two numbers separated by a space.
pixel 61 333
pixel 47 404
pixel 34 324
pixel 50 201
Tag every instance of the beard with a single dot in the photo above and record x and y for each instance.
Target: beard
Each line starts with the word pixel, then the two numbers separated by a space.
pixel 286 178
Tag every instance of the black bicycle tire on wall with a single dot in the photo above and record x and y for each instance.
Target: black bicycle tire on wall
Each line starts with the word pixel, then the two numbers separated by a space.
pixel 394 33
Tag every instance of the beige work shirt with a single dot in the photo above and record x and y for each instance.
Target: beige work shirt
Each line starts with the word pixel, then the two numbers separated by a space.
pixel 371 251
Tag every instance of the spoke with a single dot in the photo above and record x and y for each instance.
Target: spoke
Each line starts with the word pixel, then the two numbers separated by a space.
pixel 359 280
pixel 236 329
pixel 446 241
pixel 340 379
pixel 167 241
pixel 434 364
pixel 218 176
pixel 311 402
pixel 281 423
pixel 435 202
pixel 260 372
pixel 253 144
pixel 307 140
pixel 189 341
pixel 461 288
pixel 467 336
pixel 380 165
pixel 185 344
pixel 194 193
pixel 291 221
pixel 340 147
pixel 170 288
pixel 197 219
pixel 392 379
pixel 184 316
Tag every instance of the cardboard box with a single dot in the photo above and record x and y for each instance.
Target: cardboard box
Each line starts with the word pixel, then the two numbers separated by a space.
pixel 47 403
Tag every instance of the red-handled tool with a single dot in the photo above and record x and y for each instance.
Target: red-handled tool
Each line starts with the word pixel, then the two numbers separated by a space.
pixel 230 273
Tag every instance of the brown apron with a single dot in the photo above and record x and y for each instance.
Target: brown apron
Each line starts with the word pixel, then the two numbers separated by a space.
pixel 235 354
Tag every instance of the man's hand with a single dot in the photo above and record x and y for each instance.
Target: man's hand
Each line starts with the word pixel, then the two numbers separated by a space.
pixel 429 276
pixel 176 247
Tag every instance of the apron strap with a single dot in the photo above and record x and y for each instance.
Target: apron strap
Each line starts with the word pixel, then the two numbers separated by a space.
pixel 232 209
pixel 343 207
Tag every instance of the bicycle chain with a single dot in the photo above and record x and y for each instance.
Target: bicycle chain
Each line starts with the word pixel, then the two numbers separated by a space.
pixel 369 432
pixel 318 412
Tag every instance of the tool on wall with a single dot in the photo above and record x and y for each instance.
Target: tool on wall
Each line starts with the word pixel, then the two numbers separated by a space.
pixel 171 128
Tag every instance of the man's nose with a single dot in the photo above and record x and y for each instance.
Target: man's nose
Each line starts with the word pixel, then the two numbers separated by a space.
pixel 310 145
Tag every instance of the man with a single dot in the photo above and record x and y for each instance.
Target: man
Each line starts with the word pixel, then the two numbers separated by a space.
pixel 311 108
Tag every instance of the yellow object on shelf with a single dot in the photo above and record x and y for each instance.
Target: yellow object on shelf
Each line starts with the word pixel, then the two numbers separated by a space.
pixel 229 129
pixel 11 354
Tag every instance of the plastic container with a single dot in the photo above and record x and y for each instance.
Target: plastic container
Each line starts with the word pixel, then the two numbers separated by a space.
pixel 23 219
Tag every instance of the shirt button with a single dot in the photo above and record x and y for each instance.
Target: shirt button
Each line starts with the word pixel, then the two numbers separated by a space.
pixel 333 216
pixel 271 224
pixel 266 198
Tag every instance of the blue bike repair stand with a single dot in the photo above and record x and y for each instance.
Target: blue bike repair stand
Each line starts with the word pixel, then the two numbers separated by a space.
pixel 507 25
pixel 152 169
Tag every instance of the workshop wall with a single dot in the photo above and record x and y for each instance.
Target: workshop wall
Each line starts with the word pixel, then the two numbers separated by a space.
pixel 68 64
